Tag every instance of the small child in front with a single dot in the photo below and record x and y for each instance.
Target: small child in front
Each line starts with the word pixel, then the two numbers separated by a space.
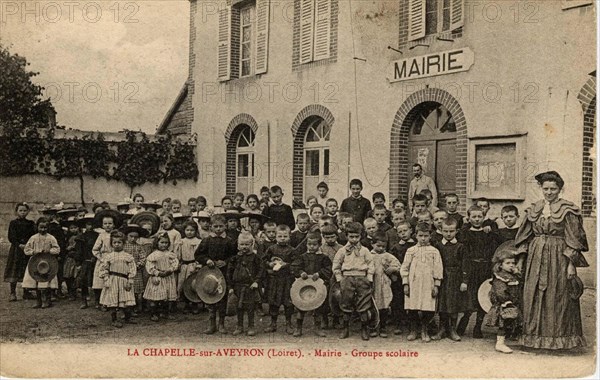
pixel 118 271
pixel 386 265
pixel 422 272
pixel 353 268
pixel 161 289
pixel 405 241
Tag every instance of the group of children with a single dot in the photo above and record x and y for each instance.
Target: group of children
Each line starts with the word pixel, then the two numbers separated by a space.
pixel 409 265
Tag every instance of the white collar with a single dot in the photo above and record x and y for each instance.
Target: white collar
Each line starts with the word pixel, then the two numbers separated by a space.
pixel 476 229
pixel 453 241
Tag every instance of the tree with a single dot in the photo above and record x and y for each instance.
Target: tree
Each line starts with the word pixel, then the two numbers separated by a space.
pixel 20 99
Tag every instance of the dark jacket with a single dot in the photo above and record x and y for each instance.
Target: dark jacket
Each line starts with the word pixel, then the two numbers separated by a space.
pixel 281 214
pixel 312 263
pixel 358 207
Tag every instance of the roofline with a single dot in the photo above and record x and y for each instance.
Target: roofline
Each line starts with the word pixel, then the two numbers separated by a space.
pixel 169 115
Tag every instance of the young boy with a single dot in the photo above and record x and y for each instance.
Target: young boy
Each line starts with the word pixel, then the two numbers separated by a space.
pixel 279 212
pixel 479 249
pixel 353 268
pixel 70 270
pixel 238 201
pixel 371 227
pixel 175 206
pixel 429 195
pixel 322 189
pixel 245 272
pixel 438 219
pixel 268 239
pixel 192 206
pixel 488 224
pixel 398 216
pixel 422 217
pixel 510 216
pixel 316 265
pixel 265 195
pixel 399 205
pixel 233 225
pixel 203 220
pixel 451 207
pixel 379 200
pixel 380 214
pixel 344 218
pixel 356 204
pixel 216 251
pixel 226 203
pixel 386 265
pixel 419 204
pixel 302 225
pixel 405 241
pixel 331 207
pixel 279 258
pixel 85 258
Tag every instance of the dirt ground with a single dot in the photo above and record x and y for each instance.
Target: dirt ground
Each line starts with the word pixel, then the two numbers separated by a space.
pixel 25 331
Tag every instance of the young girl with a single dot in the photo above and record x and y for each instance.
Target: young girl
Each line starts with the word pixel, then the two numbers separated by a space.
pixel 310 201
pixel 166 224
pixel 422 273
pixel 132 233
pixel 263 205
pixel 138 199
pixel 506 301
pixel 42 242
pixel 316 212
pixel 200 203
pixel 185 254
pixel 101 247
pixel 161 289
pixel 252 204
pixel 19 232
pixel 203 221
pixel 117 270
pixel 85 257
pixel 165 206
pixel 70 266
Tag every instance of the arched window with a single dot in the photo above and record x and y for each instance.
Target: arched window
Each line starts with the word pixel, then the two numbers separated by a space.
pixel 316 154
pixel 245 160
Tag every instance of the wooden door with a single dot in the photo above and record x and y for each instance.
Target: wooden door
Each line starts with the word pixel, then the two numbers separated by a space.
pixel 445 177
pixel 423 153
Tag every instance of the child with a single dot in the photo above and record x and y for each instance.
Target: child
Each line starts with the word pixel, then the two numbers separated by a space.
pixel 380 214
pixel 85 257
pixel 379 200
pixel 487 224
pixel 510 216
pixel 311 201
pixel 438 219
pixel 166 226
pixel 203 220
pixel 419 204
pixel 238 201
pixel 356 204
pixel 429 195
pixel 323 189
pixel 263 205
pixel 279 258
pixel 398 216
pixel 330 247
pixel 353 268
pixel 185 255
pixel 255 222
pixel 216 251
pixel 178 220
pixel 41 242
pixel 123 206
pixel 405 241
pixel 175 206
pixel 19 232
pixel 166 206
pixel 399 205
pixel 132 233
pixel 422 272
pixel 191 204
pixel 101 247
pixel 332 209
pixel 316 265
pixel 138 199
pixel 56 230
pixel 344 218
pixel 245 272
pixel 453 297
pixel 302 225
pixel 385 266
pixel 479 248
pixel 226 203
pixel 118 270
pixel 233 224
pixel 423 217
pixel 267 239
pixel 70 267
pixel 316 212
pixel 506 299
pixel 200 203
pixel 265 195
pixel 371 227
pixel 279 212
pixel 161 289
pixel 252 204
pixel 451 208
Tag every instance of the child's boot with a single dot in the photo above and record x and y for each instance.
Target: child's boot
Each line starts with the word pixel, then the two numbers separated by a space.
pixel 212 324
pixel 412 334
pixel 345 328
pixel 298 329
pixel 424 334
pixel 318 327
pixel 462 325
pixel 441 331
pixel 38 296
pixel 222 324
pixel 364 331
pixel 240 323
pixel 501 345
pixel 477 334
pixel 272 326
pixel 84 302
pixel 251 330
pixel 115 322
pixel 452 330
pixel 383 323
pixel 45 298
pixel 128 311
pixel 289 329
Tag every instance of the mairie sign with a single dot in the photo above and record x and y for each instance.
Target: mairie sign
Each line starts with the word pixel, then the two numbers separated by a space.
pixel 423 66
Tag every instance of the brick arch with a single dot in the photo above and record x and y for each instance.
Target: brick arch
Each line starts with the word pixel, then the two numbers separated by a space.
pixel 399 171
pixel 587 98
pixel 299 127
pixel 231 135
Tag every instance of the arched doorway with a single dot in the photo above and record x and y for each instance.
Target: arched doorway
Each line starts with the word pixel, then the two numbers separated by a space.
pixel 432 144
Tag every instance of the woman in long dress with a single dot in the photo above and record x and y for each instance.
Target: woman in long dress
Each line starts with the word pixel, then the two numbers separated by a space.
pixel 552 235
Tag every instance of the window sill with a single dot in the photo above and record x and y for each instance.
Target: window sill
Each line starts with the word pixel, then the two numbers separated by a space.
pixel 306 66
pixel 433 38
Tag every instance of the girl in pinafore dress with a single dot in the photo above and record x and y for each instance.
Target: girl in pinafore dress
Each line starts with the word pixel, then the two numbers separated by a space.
pixel 19 232
pixel 41 242
pixel 166 225
pixel 422 272
pixel 139 253
pixel 101 247
pixel 188 263
pixel 117 270
pixel 161 289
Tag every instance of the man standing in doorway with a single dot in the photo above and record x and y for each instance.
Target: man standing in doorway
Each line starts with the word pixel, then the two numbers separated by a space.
pixel 421 182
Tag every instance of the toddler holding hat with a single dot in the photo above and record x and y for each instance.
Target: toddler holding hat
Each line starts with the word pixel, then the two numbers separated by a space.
pixel 41 242
pixel 244 272
pixel 118 271
pixel 161 289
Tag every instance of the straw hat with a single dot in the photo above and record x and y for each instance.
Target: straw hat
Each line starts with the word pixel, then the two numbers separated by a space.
pixel 210 285
pixel 131 227
pixel 201 215
pixel 87 218
pixel 189 288
pixel 115 215
pixel 70 221
pixel 143 217
pixel 308 294
pixel 43 267
pixel 483 295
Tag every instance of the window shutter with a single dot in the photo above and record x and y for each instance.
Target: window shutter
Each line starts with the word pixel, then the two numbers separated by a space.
pixel 416 19
pixel 307 15
pixel 457 14
pixel 262 35
pixel 322 28
pixel 224 51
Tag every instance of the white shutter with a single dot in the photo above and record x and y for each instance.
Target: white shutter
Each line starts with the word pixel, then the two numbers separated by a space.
pixel 416 19
pixel 322 28
pixel 307 19
pixel 224 51
pixel 457 14
pixel 262 35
